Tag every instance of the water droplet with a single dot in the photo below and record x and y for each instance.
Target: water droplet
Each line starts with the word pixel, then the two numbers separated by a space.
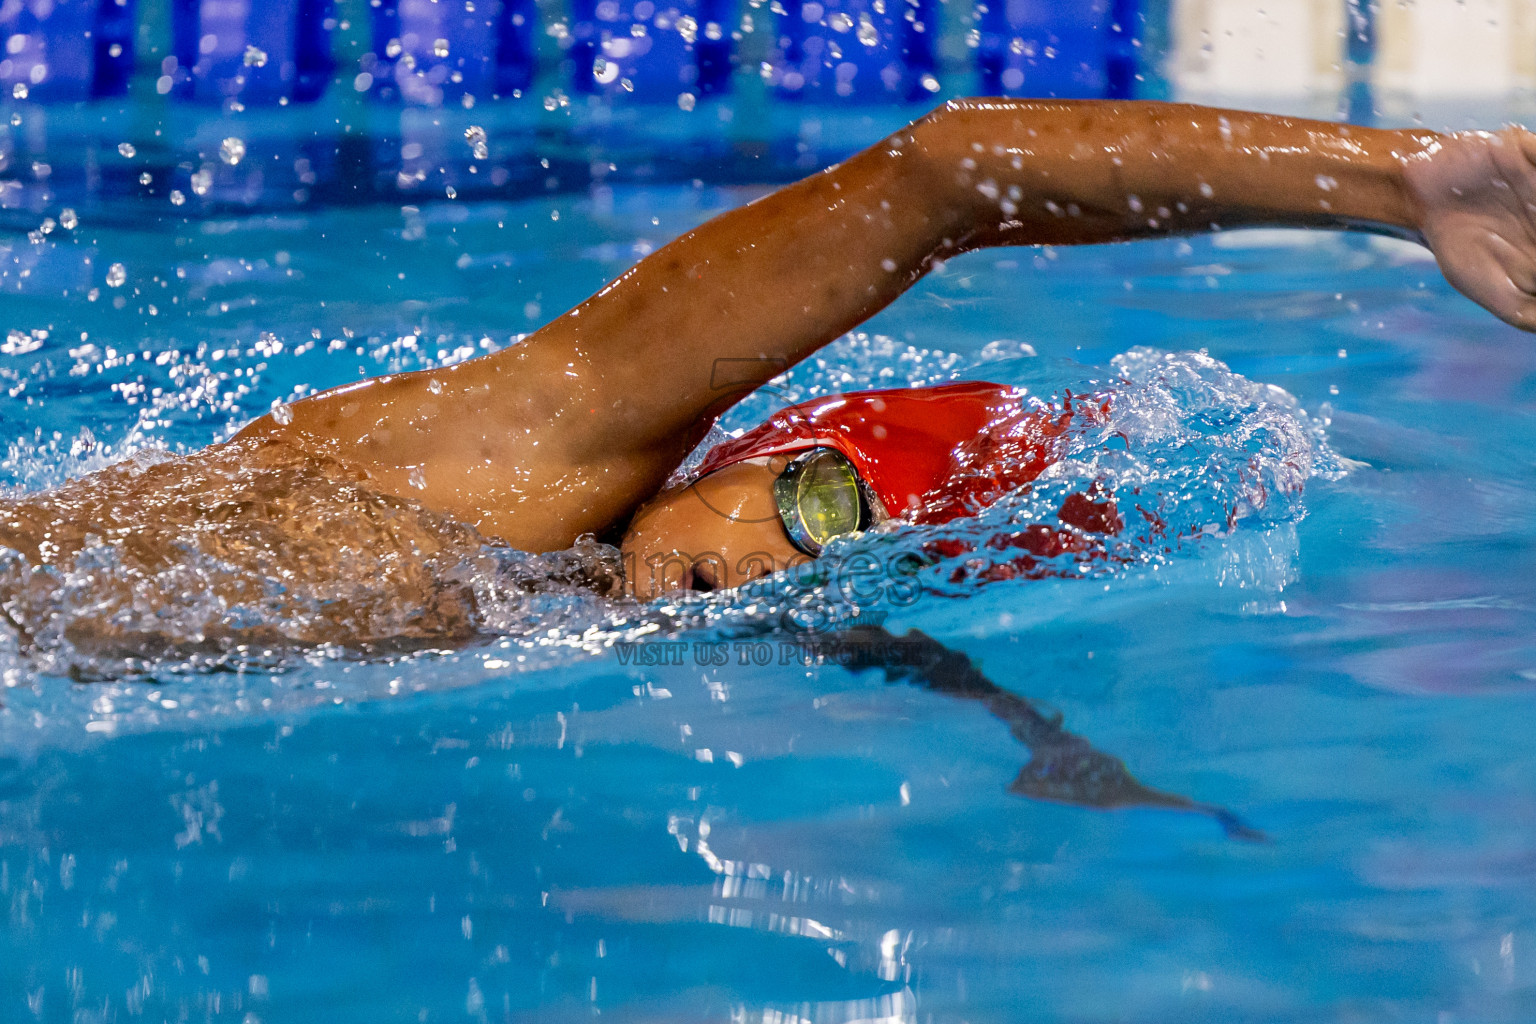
pixel 392 48
pixel 116 275
pixel 232 150
pixel 145 178
pixel 19 343
pixel 68 219
pixel 929 82
pixel 418 479
pixel 177 197
pixel 868 34
pixel 686 101
pixel 475 136
pixel 687 28
pixel 282 412
pixel 604 71
pixel 202 181
pixel 19 90
pixel 451 192
pixel 255 57
pixel 440 48
pixel 435 386
pixel 127 150
pixel 1326 183
pixel 840 22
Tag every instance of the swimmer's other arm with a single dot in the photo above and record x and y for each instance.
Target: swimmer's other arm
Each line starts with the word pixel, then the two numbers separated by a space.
pixel 566 433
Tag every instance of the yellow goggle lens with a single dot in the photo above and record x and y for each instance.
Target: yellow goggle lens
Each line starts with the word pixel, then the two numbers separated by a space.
pixel 819 499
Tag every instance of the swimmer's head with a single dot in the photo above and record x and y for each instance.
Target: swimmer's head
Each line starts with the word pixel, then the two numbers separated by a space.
pixel 717 532
pixel 772 498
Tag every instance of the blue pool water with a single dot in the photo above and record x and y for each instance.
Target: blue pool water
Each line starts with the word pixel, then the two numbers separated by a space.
pixel 538 827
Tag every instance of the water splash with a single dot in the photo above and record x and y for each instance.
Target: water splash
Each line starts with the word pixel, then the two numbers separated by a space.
pixel 1179 450
pixel 292 563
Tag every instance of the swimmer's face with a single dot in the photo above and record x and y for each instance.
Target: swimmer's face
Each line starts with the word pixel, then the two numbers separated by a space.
pixel 719 532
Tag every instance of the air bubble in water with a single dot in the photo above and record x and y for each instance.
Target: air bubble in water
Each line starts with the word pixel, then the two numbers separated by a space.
pixel 282 413
pixel 255 57
pixel 840 22
pixel 686 101
pixel 177 197
pixel 126 149
pixel 232 150
pixel 68 219
pixel 687 28
pixel 202 181
pixel 19 90
pixel 440 48
pixel 475 136
pixel 868 34
pixel 116 275
pixel 435 386
pixel 145 178
pixel 418 479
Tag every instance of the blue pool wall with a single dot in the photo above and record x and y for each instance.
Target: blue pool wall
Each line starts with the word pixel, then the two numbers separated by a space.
pixel 438 52
pixel 239 54
pixel 357 101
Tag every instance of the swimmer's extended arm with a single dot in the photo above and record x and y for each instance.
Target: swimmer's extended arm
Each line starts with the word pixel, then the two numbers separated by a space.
pixel 568 432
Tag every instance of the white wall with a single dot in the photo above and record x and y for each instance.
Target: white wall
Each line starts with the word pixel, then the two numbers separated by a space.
pixel 1257 48
pixel 1455 48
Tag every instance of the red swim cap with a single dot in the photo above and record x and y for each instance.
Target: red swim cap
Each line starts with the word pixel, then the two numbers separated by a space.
pixel 930 454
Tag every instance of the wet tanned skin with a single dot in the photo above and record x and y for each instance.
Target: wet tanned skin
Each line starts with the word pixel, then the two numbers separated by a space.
pixel 571 431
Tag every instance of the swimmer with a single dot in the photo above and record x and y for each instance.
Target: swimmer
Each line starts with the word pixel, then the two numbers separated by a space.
pixel 575 431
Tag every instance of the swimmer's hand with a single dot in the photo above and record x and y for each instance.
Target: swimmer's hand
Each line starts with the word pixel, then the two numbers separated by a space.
pixel 1475 196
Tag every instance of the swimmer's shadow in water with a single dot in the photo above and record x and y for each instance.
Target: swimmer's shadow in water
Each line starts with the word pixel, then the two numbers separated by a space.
pixel 1063 767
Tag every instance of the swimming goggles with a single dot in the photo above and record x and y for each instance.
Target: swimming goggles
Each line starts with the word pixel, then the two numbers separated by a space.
pixel 820 497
